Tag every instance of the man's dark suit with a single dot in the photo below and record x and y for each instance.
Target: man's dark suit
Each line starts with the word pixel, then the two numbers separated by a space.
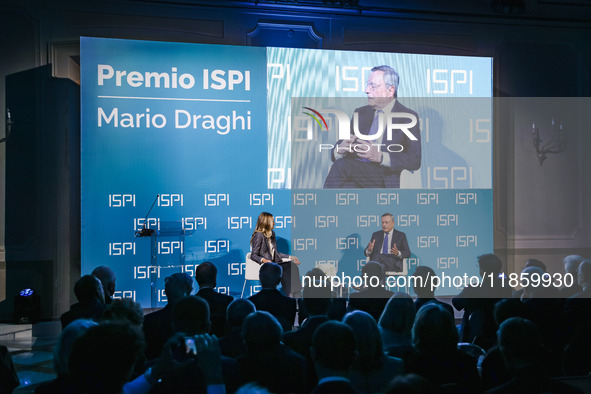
pixel 419 302
pixel 218 303
pixel 335 386
pixel 389 261
pixel 350 172
pixel 300 340
pixel 577 309
pixel 371 300
pixel 280 306
pixel 279 369
pixel 188 377
pixel 157 329
pixel 83 310
pixel 478 302
pixel 232 345
pixel 290 280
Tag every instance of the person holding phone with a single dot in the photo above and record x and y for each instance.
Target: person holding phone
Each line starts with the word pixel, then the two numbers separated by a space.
pixel 264 250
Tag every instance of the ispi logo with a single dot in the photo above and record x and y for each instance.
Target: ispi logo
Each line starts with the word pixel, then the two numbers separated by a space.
pixel 402 121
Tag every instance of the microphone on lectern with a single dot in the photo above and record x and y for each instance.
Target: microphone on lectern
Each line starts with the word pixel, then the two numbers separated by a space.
pixel 146 232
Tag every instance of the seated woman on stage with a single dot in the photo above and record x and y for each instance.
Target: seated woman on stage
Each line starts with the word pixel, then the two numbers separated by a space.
pixel 264 250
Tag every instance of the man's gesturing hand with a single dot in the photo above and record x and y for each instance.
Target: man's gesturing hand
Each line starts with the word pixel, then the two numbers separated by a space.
pixel 370 246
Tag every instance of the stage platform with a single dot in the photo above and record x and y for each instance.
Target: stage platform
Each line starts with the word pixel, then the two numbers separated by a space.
pixel 31 348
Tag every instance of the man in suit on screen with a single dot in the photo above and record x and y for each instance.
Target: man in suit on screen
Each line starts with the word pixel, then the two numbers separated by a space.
pixel 388 246
pixel 377 161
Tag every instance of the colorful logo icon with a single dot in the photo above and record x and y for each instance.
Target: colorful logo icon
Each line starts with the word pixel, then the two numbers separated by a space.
pixel 315 118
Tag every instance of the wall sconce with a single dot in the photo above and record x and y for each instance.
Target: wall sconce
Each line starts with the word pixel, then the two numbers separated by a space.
pixel 556 144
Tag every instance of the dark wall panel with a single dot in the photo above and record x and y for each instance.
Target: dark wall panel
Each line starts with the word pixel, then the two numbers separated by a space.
pixel 42 184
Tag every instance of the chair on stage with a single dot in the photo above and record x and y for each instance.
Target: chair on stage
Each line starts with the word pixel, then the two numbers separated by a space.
pixel 404 272
pixel 251 272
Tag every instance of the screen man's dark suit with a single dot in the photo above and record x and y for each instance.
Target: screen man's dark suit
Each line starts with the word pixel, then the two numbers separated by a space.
pixel 389 261
pixel 350 172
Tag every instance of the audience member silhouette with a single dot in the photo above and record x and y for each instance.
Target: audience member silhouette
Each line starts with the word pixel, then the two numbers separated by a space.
pixel 8 377
pixel 577 309
pixel 268 362
pixel 316 301
pixel 61 354
pixel 571 266
pixel 231 344
pixel 191 319
pixel 533 286
pixel 338 301
pixel 395 327
pixel 158 325
pixel 334 352
pixel 411 383
pixel 91 301
pixel 317 275
pixel 477 303
pixel 536 263
pixel 206 276
pixel 506 308
pixel 584 279
pixel 526 354
pixel 373 298
pixel 103 358
pixel 529 263
pixel 520 342
pixel 190 316
pixel 577 353
pixel 271 300
pixel 125 310
pixel 436 338
pixel 493 371
pixel 544 308
pixel 424 290
pixel 372 369
pixel 251 388
pixel 108 279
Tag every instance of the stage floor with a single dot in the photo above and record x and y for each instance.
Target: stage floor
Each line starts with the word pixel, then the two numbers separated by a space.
pixel 31 348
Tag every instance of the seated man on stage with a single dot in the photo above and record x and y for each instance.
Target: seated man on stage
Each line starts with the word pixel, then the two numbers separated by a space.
pixel 376 156
pixel 388 246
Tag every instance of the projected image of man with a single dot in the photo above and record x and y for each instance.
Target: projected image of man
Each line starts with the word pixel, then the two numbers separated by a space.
pixel 388 246
pixel 377 162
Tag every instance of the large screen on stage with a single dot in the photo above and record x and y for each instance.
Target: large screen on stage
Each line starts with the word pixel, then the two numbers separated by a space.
pixel 184 145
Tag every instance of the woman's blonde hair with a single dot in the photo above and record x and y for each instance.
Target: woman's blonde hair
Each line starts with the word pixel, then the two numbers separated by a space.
pixel 264 225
